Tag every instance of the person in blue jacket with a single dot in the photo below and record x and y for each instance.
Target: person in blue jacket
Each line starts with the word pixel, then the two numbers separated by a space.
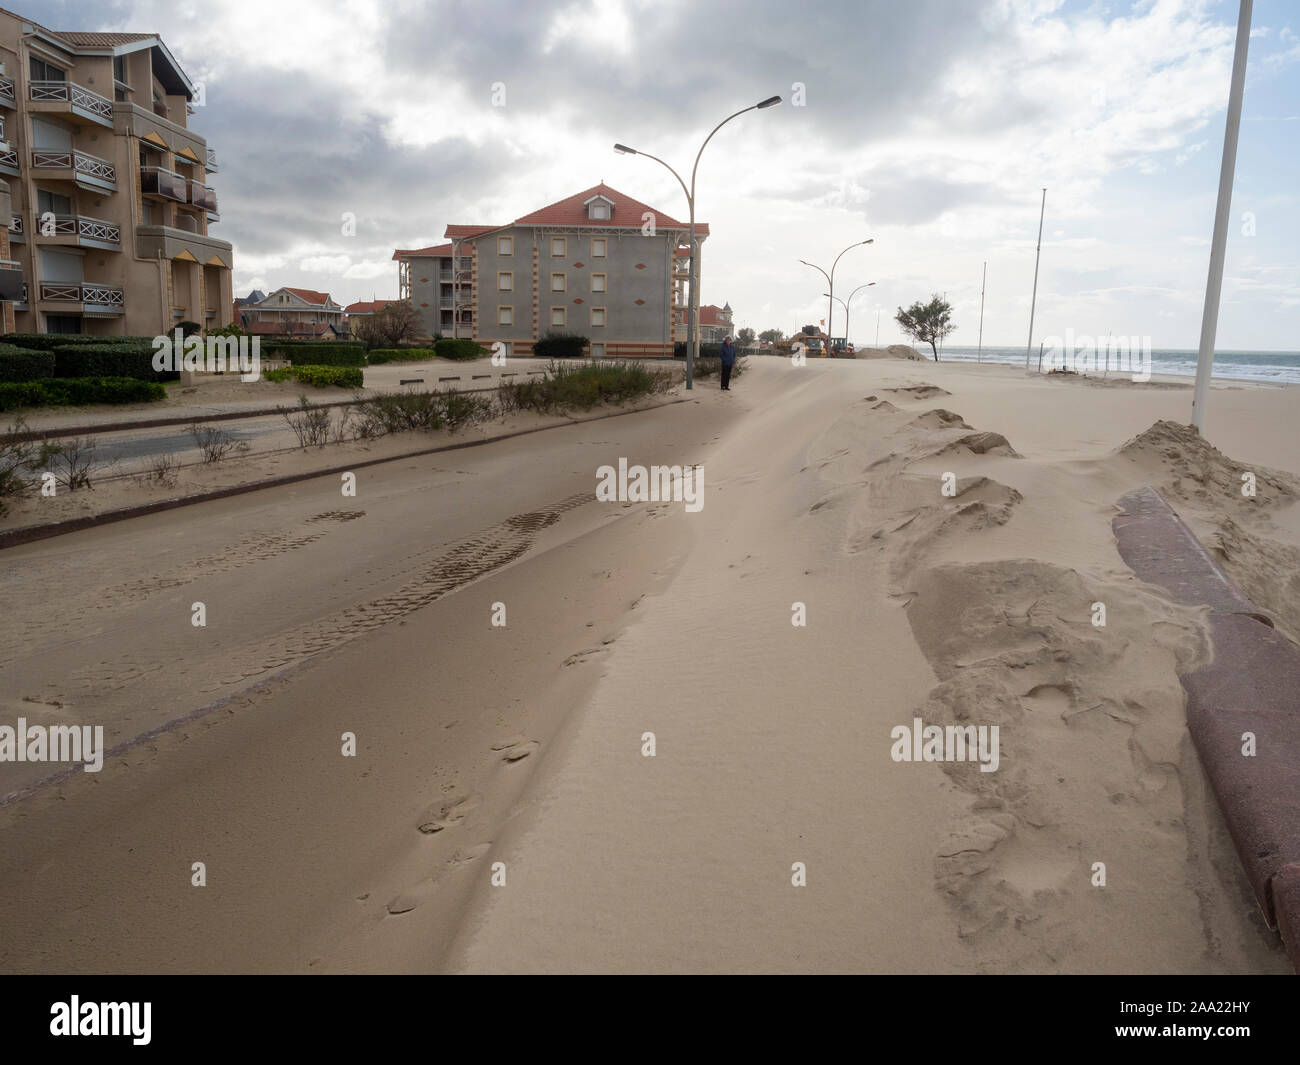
pixel 728 356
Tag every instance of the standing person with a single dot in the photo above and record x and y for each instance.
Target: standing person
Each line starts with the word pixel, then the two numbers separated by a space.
pixel 728 357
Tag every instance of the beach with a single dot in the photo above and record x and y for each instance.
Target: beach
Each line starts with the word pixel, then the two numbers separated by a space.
pixel 678 752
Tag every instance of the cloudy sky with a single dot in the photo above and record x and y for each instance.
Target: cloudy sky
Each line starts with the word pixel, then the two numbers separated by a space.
pixel 930 125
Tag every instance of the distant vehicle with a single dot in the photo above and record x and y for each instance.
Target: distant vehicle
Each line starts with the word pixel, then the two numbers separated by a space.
pixel 813 341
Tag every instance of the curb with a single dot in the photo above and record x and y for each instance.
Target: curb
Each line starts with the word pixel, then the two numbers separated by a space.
pixel 32 533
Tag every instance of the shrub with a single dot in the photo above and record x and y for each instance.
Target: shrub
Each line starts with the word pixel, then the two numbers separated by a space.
pixel 17 460
pixel 50 341
pixel 20 364
pixel 213 443
pixel 312 425
pixel 459 349
pixel 398 412
pixel 382 355
pixel 711 350
pixel 567 387
pixel 110 360
pixel 71 462
pixel 79 391
pixel 560 346
pixel 314 352
pixel 460 409
pixel 329 376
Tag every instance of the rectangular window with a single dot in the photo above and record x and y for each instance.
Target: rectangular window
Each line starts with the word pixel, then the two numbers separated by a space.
pixel 598 282
pixel 505 245
pixel 600 211
pixel 557 283
pixel 505 315
pixel 599 247
pixel 506 281
pixel 597 316
pixel 597 351
pixel 119 68
pixel 39 70
pixel 559 247
pixel 559 315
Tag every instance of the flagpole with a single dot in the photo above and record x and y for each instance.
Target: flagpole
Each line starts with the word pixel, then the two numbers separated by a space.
pixel 980 355
pixel 1033 301
pixel 1214 283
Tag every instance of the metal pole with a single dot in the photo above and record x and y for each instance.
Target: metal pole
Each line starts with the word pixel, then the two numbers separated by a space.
pixel 1214 283
pixel 980 356
pixel 877 329
pixel 1029 345
pixel 692 305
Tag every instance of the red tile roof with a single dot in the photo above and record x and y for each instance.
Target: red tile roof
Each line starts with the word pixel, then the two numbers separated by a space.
pixel 469 231
pixel 102 40
pixel 436 251
pixel 367 307
pixel 310 295
pixel 627 212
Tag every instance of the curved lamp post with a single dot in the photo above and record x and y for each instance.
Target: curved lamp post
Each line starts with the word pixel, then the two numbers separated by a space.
pixel 845 305
pixel 694 306
pixel 830 280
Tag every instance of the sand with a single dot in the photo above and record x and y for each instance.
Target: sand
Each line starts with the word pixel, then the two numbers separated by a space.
pixel 505 812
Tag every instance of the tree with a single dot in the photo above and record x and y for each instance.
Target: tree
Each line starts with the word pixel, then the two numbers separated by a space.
pixel 927 322
pixel 771 335
pixel 388 327
pixel 745 338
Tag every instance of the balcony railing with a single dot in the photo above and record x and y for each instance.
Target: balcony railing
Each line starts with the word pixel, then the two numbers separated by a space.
pixel 84 292
pixel 80 163
pixel 9 162
pixel 7 95
pixel 212 160
pixel 16 225
pixel 202 196
pixel 95 229
pixel 156 181
pixel 75 96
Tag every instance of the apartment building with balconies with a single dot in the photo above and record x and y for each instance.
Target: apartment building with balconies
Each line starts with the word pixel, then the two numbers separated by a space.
pixel 597 263
pixel 110 201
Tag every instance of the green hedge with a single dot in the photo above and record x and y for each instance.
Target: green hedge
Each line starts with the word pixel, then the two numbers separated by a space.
pixel 314 352
pixel 320 376
pixel 449 348
pixel 50 341
pixel 711 350
pixel 109 360
pixel 20 364
pixel 382 355
pixel 78 392
pixel 560 346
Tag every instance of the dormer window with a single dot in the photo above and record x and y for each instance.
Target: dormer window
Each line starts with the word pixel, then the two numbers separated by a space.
pixel 599 208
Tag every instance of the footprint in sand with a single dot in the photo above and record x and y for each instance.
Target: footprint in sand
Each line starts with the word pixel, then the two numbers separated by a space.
pixel 516 748
pixel 449 814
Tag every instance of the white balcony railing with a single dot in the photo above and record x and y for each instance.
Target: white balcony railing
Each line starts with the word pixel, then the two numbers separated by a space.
pixel 81 163
pixel 72 94
pixel 84 292
pixel 81 227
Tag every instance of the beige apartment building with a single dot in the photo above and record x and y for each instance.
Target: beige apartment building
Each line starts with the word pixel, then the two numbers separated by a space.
pixel 597 263
pixel 109 201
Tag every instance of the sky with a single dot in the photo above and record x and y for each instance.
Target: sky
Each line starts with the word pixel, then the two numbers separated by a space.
pixel 930 126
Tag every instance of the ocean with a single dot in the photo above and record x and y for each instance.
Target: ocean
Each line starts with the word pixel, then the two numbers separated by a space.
pixel 1277 367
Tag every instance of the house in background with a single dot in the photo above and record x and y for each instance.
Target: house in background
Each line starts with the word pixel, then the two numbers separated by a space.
pixel 715 323
pixel 363 309
pixel 109 208
pixel 295 312
pixel 598 263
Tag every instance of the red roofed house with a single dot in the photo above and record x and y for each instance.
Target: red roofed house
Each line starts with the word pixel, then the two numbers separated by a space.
pixel 597 263
pixel 300 312
pixel 715 323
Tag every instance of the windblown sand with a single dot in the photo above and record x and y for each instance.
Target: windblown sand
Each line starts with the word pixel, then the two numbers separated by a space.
pixel 635 773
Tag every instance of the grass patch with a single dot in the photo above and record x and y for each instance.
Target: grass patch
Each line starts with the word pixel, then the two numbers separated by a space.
pixel 569 386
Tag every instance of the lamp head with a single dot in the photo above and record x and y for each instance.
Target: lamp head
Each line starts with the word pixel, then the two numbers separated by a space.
pixel 771 101
pixel 623 149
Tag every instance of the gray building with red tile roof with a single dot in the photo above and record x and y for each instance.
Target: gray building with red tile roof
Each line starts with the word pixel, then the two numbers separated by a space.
pixel 598 263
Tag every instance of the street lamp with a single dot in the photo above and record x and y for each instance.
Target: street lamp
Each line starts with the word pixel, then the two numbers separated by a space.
pixel 694 305
pixel 845 305
pixel 830 280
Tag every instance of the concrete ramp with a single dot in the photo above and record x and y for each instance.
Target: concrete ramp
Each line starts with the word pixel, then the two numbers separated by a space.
pixel 1250 692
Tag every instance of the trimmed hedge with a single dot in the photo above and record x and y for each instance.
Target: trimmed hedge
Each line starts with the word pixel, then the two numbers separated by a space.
pixel 320 376
pixel 560 346
pixel 382 355
pixel 19 364
pixel 79 391
pixel 50 341
pixel 315 352
pixel 458 349
pixel 109 360
pixel 710 350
